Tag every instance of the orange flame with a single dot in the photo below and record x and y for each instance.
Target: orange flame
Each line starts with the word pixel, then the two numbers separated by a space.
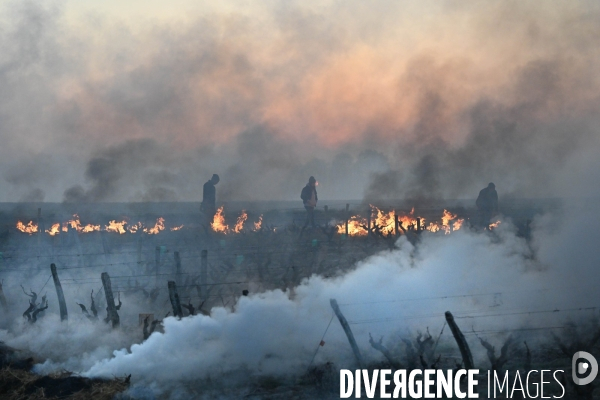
pixel 239 225
pixel 30 228
pixel 494 225
pixel 218 224
pixel 54 229
pixel 258 224
pixel 356 226
pixel 158 226
pixel 119 227
pixel 116 226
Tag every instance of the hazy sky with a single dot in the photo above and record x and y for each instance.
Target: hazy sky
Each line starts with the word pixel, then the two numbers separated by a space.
pixel 101 101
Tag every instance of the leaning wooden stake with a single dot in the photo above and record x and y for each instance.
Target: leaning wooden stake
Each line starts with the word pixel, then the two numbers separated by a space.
pixel 174 297
pixel 59 292
pixel 338 313
pixel 204 274
pixel 396 225
pixel 460 340
pixel 113 316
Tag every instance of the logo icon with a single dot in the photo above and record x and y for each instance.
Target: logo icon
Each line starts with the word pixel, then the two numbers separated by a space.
pixel 579 368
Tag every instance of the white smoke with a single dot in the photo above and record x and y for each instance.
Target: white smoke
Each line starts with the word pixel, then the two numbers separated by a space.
pixel 491 282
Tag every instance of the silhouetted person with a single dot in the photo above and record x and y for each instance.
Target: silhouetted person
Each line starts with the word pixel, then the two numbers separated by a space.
pixel 487 203
pixel 309 197
pixel 209 198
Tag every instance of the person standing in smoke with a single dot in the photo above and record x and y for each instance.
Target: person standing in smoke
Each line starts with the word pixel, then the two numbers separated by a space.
pixel 487 204
pixel 309 197
pixel 209 198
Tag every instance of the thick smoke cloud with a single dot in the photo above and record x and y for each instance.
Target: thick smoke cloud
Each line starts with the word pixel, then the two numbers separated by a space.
pixel 389 101
pixel 491 282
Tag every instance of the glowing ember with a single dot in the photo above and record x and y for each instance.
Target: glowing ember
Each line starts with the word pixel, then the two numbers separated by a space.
pixel 158 226
pixel 30 228
pixel 258 224
pixel 116 226
pixel 218 224
pixel 176 228
pixel 239 225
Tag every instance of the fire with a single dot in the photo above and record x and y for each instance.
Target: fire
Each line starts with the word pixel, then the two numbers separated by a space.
pixel 239 225
pixel 494 225
pixel 158 226
pixel 75 223
pixel 116 226
pixel 457 224
pixel 385 221
pixel 258 224
pixel 447 217
pixel 218 224
pixel 134 227
pixel 356 226
pixel 30 228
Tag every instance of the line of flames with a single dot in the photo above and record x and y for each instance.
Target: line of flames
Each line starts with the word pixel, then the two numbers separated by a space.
pixel 219 225
pixel 120 227
pixel 357 225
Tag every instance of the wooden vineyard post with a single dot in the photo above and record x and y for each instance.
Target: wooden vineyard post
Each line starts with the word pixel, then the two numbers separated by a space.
pixel 59 292
pixel 346 327
pixel 347 217
pixel 113 316
pixel 3 298
pixel 369 222
pixel 174 297
pixel 177 267
pixel 418 225
pixel 396 227
pixel 463 346
pixel 204 274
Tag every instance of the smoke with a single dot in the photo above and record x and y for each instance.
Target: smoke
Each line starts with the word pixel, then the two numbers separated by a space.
pixel 108 171
pixel 508 95
pixel 491 282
